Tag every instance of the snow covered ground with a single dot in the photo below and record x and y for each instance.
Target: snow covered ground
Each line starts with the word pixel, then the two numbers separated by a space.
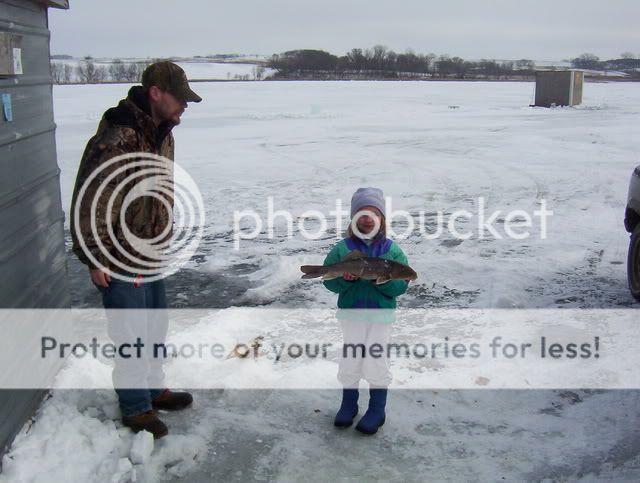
pixel 217 70
pixel 431 146
pixel 194 69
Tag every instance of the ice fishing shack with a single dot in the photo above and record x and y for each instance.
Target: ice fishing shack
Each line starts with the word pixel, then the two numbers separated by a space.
pixel 558 88
pixel 33 271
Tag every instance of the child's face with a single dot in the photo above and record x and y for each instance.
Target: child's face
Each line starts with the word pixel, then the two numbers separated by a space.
pixel 367 223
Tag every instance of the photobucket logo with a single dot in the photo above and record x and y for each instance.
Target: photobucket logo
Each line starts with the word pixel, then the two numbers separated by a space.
pixel 459 225
pixel 141 214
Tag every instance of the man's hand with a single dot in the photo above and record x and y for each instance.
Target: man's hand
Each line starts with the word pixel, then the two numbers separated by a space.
pixel 349 277
pixel 99 277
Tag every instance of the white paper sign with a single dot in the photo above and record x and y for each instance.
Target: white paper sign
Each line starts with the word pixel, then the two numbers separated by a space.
pixel 17 61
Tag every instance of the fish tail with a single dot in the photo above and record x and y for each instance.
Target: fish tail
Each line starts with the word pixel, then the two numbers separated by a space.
pixel 312 271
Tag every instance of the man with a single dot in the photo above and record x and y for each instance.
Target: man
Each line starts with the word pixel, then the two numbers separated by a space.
pixel 107 227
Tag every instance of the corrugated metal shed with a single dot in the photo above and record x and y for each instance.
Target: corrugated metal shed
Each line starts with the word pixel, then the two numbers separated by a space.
pixel 33 271
pixel 560 88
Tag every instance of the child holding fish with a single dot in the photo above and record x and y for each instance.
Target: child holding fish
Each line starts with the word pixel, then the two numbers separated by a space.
pixel 367 270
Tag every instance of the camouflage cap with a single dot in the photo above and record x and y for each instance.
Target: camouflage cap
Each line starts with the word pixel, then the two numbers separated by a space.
pixel 171 78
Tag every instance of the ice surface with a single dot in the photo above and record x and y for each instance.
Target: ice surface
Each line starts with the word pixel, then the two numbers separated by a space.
pixel 306 144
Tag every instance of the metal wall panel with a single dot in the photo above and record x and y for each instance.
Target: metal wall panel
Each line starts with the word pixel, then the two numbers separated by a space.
pixel 33 272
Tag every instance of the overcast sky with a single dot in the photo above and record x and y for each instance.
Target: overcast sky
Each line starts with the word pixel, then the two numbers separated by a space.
pixel 472 29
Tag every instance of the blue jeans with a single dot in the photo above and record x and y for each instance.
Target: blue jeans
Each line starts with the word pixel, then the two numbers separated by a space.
pixel 137 379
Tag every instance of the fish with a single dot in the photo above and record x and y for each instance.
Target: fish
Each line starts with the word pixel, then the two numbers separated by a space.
pixel 243 350
pixel 368 268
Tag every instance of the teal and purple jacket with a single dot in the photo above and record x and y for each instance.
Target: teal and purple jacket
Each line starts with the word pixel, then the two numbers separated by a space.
pixel 365 294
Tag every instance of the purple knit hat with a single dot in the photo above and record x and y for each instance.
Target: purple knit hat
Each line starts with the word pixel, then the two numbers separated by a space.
pixel 367 197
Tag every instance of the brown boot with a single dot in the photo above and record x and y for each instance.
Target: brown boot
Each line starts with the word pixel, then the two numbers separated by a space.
pixel 172 401
pixel 147 421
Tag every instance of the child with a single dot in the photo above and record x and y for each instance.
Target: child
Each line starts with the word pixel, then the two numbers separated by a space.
pixel 357 293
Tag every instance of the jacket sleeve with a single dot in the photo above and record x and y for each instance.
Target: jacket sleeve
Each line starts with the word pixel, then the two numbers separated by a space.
pixel 336 285
pixel 393 288
pixel 90 226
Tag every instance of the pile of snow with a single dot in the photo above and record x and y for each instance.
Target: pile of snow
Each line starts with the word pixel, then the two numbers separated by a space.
pixel 141 448
pixel 77 436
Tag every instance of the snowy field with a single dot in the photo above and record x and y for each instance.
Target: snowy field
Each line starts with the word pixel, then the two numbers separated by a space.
pixel 433 147
pixel 194 70
pixel 217 70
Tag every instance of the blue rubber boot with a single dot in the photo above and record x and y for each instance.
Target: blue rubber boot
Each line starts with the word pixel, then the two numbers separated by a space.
pixel 348 408
pixel 375 416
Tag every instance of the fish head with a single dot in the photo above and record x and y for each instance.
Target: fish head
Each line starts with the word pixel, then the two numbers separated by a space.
pixel 404 272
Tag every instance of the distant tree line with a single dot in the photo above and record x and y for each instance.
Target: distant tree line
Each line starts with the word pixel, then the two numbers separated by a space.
pixel 375 63
pixel 627 63
pixel 88 72
pixel 380 62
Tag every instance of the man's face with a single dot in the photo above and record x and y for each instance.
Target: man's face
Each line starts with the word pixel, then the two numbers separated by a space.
pixel 169 108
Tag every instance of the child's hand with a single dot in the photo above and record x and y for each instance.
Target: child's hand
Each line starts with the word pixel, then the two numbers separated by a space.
pixel 349 277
